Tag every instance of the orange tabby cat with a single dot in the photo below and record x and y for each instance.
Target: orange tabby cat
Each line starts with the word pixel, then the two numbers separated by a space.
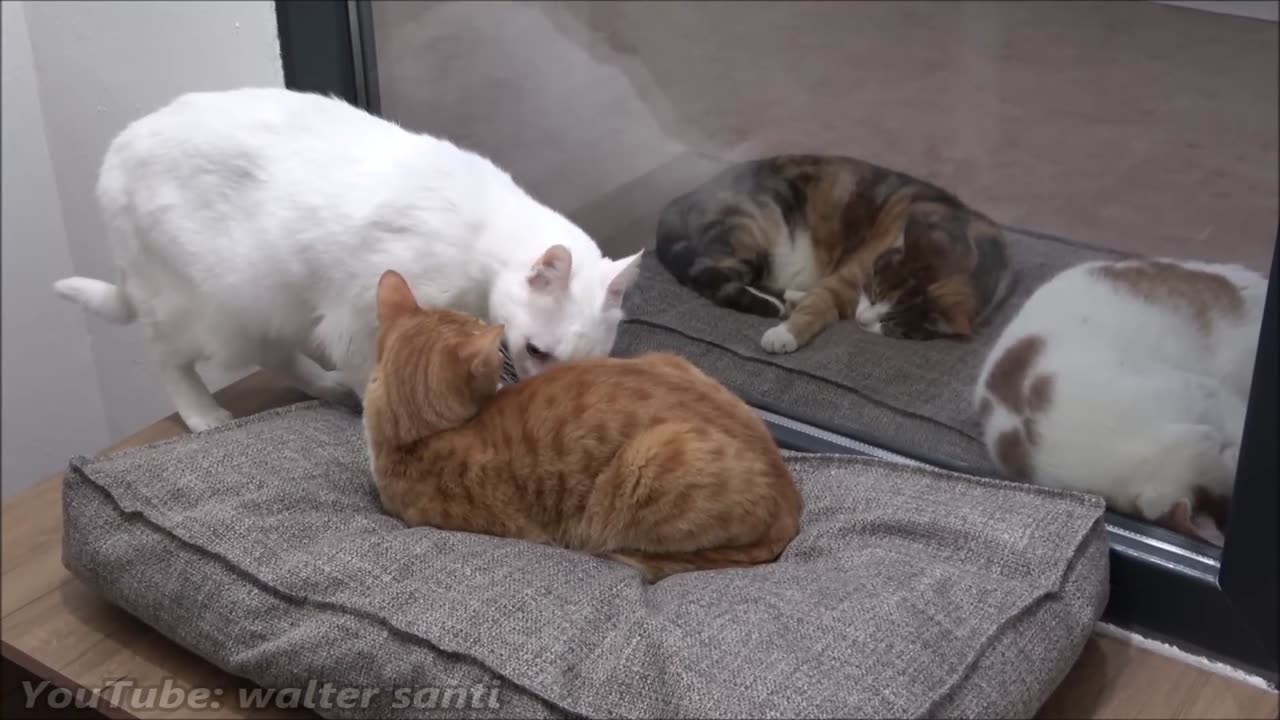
pixel 644 460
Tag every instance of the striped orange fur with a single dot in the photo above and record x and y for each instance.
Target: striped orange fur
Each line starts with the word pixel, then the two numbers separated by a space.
pixel 645 460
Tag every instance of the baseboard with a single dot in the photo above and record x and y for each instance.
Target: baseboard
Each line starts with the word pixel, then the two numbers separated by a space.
pixel 1176 653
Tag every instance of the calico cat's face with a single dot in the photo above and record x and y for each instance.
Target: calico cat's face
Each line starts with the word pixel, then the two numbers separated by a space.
pixel 557 312
pixel 904 301
pixel 446 365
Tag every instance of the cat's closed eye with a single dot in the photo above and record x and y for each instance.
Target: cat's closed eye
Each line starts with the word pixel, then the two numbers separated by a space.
pixel 536 352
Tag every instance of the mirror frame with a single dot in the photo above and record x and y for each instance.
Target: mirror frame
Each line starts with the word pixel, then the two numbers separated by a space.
pixel 1217 603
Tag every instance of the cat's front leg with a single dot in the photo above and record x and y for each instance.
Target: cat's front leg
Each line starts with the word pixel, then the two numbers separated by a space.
pixel 192 399
pixel 779 339
pixel 791 299
pixel 833 300
pixel 347 336
pixel 305 374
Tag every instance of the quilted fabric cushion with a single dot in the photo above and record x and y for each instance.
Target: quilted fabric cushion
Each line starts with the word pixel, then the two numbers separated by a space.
pixel 261 546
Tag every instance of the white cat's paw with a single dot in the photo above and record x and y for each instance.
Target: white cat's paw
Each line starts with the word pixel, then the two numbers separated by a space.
pixel 778 339
pixel 207 420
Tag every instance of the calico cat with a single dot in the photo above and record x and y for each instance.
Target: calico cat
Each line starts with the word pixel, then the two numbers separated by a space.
pixel 250 227
pixel 644 460
pixel 815 239
pixel 1129 379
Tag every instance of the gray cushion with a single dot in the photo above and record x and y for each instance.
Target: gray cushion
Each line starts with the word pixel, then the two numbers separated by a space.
pixel 261 546
pixel 909 396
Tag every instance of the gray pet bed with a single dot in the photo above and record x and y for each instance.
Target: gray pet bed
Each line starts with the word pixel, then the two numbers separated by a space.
pixel 908 396
pixel 261 546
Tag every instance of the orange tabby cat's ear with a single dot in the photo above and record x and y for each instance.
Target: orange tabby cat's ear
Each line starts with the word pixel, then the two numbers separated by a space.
pixel 394 297
pixel 483 351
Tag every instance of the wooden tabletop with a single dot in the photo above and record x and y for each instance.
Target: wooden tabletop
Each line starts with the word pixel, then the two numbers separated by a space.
pixel 58 629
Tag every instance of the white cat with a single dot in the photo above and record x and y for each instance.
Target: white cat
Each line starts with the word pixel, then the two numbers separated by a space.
pixel 250 227
pixel 1129 380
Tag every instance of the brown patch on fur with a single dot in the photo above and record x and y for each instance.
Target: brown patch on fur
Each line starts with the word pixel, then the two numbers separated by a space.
pixel 1040 394
pixel 646 460
pixel 1030 431
pixel 1202 294
pixel 953 298
pixel 1009 373
pixel 1006 383
pixel 831 195
pixel 1013 455
pixel 985 408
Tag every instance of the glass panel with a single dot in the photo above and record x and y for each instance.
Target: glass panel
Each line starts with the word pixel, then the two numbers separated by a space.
pixel 1089 131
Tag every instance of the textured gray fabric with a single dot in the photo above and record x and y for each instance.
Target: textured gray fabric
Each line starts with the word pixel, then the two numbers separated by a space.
pixel 909 396
pixel 261 546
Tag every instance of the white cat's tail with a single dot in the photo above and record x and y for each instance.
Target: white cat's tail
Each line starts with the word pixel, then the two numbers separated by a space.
pixel 100 298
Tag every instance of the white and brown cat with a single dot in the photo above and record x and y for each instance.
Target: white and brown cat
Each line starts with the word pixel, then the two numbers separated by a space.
pixel 1129 379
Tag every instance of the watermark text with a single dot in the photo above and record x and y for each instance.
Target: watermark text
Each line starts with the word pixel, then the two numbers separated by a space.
pixel 315 695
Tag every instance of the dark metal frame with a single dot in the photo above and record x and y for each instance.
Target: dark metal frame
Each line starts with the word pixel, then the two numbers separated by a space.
pixel 326 46
pixel 1163 585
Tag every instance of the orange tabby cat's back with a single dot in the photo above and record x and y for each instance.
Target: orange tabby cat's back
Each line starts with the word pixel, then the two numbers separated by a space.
pixel 577 414
pixel 647 453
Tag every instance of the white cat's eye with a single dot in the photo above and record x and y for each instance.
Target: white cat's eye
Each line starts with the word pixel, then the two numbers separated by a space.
pixel 536 352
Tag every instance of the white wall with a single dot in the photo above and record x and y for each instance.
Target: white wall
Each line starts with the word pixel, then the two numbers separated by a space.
pixel 90 69
pixel 52 407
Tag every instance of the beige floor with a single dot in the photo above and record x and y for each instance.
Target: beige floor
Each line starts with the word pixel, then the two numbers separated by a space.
pixel 1128 124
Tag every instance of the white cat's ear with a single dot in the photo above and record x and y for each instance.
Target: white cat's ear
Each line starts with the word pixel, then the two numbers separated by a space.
pixel 550 273
pixel 622 274
pixel 394 297
pixel 483 351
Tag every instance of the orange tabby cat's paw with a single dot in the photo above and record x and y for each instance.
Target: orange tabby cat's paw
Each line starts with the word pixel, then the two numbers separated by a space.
pixel 779 340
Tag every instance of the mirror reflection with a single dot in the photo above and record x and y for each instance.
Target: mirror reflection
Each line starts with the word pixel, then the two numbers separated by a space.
pixel 1022 240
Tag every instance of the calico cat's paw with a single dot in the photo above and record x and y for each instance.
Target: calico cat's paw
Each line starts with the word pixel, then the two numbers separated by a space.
pixel 779 340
